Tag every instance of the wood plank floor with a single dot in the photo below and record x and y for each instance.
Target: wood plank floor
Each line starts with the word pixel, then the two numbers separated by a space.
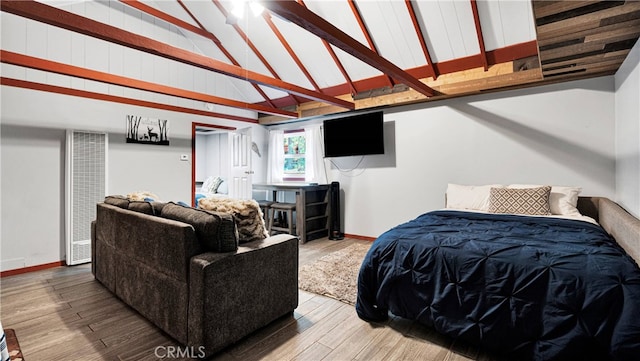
pixel 64 314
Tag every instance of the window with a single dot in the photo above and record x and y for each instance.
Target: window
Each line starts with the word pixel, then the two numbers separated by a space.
pixel 295 148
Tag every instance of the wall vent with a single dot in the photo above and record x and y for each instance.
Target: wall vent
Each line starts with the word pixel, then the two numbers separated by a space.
pixel 86 185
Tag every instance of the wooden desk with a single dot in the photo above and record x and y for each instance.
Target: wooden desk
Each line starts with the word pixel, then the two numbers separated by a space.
pixel 312 207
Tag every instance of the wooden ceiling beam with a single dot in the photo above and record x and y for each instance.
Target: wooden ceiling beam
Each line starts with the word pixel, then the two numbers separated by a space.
pixel 337 61
pixel 267 17
pixel 136 4
pixel 17 83
pixel 84 73
pixel 476 20
pixel 252 46
pixel 414 19
pixel 466 82
pixel 365 32
pixel 69 21
pixel 170 19
pixel 298 14
pixel 497 56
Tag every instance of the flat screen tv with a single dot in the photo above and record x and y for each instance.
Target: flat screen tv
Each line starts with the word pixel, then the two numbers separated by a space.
pixel 360 134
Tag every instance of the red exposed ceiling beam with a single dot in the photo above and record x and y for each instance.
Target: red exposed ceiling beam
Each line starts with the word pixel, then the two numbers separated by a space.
pixel 334 56
pixel 66 20
pixel 476 20
pixel 252 46
pixel 432 72
pixel 501 55
pixel 297 14
pixel 225 52
pixel 365 31
pixel 116 99
pixel 196 30
pixel 71 70
pixel 170 19
pixel 289 50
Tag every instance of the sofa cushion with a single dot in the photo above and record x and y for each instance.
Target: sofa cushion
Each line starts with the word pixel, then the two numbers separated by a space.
pixel 246 213
pixel 118 201
pixel 157 207
pixel 216 231
pixel 142 207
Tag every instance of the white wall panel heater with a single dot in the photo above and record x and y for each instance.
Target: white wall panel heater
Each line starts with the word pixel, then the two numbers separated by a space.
pixel 86 185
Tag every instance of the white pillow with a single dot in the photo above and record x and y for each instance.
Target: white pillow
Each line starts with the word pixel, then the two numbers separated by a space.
pixel 223 188
pixel 469 197
pixel 562 200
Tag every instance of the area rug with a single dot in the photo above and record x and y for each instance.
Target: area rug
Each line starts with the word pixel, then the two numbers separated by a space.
pixel 335 275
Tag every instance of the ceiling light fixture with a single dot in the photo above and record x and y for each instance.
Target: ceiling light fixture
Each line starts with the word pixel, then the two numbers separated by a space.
pixel 239 9
pixel 256 8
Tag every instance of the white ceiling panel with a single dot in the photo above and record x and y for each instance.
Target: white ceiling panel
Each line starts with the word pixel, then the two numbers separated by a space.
pixel 174 9
pixel 506 22
pixel 394 40
pixel 466 24
pixel 448 28
pixel 339 14
pixel 449 11
pixel 272 49
pixel 312 53
pixel 435 30
pixel 517 22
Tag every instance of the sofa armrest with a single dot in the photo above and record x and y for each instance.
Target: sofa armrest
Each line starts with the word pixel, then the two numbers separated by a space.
pixel 235 293
pixel 93 247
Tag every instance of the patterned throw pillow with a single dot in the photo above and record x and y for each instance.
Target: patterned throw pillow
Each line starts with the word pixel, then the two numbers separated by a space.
pixel 529 201
pixel 211 185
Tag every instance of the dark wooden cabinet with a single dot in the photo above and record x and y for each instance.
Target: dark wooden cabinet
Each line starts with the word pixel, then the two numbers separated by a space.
pixel 312 207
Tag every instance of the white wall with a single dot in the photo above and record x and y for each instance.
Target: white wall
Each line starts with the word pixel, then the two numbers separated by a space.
pixel 32 151
pixel 33 123
pixel 559 134
pixel 627 110
pixel 212 155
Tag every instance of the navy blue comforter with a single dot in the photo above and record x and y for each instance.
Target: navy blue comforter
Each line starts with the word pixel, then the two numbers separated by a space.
pixel 531 288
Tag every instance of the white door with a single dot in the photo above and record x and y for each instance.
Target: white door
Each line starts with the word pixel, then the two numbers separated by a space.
pixel 240 183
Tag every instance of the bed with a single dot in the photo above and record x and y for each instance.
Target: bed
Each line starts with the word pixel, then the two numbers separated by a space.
pixel 212 187
pixel 525 287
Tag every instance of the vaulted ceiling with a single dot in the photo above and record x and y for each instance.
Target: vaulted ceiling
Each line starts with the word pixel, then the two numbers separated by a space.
pixel 310 57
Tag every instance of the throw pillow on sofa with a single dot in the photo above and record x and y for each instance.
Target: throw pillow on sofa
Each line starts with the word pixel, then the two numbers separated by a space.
pixel 216 231
pixel 246 213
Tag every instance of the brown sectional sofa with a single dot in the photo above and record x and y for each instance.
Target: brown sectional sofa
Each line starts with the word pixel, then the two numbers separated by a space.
pixel 171 272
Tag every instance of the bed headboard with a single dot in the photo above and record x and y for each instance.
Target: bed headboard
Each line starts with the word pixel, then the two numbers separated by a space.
pixel 620 224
